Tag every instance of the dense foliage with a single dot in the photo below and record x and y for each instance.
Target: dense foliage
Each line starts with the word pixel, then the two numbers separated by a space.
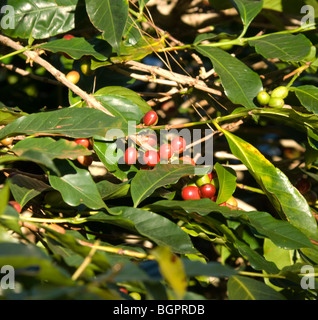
pixel 100 197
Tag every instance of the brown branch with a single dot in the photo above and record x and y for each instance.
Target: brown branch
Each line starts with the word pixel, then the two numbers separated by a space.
pixel 33 56
pixel 172 76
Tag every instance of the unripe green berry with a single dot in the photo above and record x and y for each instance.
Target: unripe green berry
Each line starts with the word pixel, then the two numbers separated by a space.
pixel 225 47
pixel 263 98
pixel 280 92
pixel 276 102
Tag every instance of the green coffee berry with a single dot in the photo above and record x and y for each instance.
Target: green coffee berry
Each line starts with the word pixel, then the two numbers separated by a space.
pixel 276 102
pixel 263 98
pixel 280 92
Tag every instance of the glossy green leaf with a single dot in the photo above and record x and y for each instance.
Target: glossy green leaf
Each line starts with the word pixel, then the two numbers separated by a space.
pixel 308 96
pixel 282 233
pixel 146 182
pixel 110 190
pixel 122 92
pixel 76 185
pixel 78 47
pixel 286 47
pixel 71 122
pixel 286 199
pixel 60 149
pixel 227 182
pixel 240 83
pixel 110 18
pixel 151 225
pixel 248 10
pixel 244 288
pixel 41 19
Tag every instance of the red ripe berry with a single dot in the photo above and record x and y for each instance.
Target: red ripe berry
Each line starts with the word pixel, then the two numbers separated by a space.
pixel 165 151
pixel 178 145
pixel 208 190
pixel 151 158
pixel 84 142
pixel 211 176
pixel 15 205
pixel 191 193
pixel 150 118
pixel 68 36
pixel 85 160
pixel 131 156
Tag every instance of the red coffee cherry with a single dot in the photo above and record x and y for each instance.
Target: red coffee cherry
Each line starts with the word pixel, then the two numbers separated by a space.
pixel 68 36
pixel 131 155
pixel 178 145
pixel 150 118
pixel 151 158
pixel 165 151
pixel 303 185
pixel 15 205
pixel 207 191
pixel 83 141
pixel 190 193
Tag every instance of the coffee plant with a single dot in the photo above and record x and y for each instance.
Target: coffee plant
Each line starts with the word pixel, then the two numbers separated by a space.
pixel 159 150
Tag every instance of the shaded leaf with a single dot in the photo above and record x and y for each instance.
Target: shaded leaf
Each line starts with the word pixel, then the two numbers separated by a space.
pixel 308 96
pixel 244 288
pixel 76 185
pixel 286 47
pixel 25 188
pixel 149 224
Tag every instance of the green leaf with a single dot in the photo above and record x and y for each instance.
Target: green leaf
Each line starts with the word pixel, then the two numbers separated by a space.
pixel 286 47
pixel 151 225
pixel 227 182
pixel 132 96
pixel 8 115
pixel 25 188
pixel 31 261
pixel 286 199
pixel 243 288
pixel 4 197
pixel 282 233
pixel 41 19
pixel 110 190
pixel 308 96
pixel 60 149
pixel 78 47
pixel 76 185
pixel 248 10
pixel 240 83
pixel 71 122
pixel 146 182
pixel 110 18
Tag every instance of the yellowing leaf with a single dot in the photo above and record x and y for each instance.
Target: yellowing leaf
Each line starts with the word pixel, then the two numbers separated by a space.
pixel 172 269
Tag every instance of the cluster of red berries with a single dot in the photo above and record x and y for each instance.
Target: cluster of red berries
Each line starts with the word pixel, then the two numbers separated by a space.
pixel 204 187
pixel 153 156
